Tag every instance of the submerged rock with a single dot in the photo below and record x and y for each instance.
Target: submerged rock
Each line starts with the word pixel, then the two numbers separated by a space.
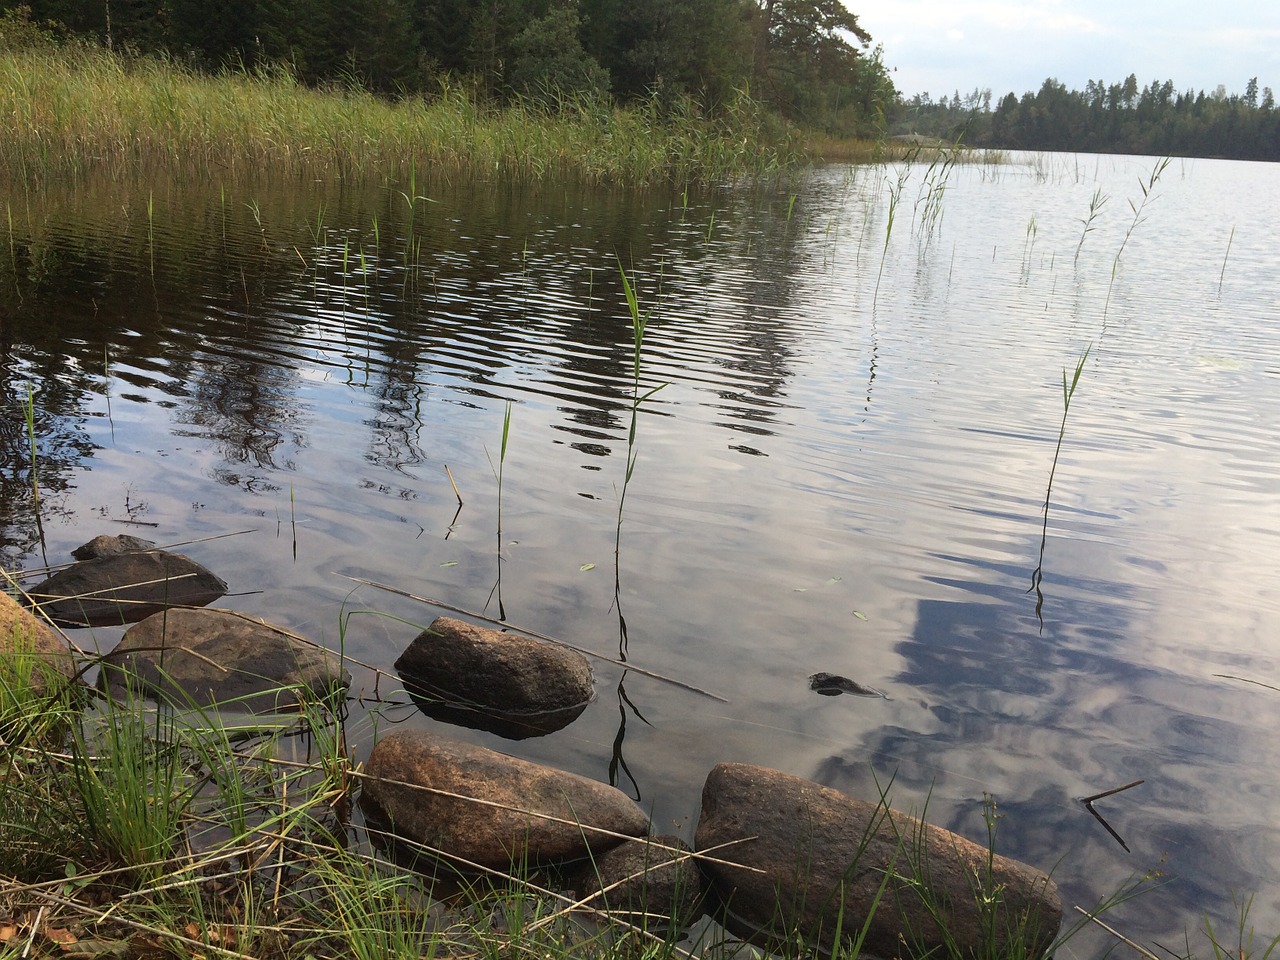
pixel 476 806
pixel 804 859
pixel 505 683
pixel 650 882
pixel 832 685
pixel 125 586
pixel 222 657
pixel 32 655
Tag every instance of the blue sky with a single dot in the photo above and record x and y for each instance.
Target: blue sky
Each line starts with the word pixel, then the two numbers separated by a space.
pixel 940 46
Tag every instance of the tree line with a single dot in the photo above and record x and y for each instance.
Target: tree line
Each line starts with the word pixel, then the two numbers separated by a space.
pixel 1154 119
pixel 808 61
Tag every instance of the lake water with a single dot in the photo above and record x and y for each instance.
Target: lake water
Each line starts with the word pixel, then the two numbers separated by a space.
pixel 846 471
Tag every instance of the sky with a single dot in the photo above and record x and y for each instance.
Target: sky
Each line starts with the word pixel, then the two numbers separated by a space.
pixel 941 46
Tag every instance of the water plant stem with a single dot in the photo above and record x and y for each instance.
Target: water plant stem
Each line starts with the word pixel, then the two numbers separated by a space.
pixel 1068 391
pixel 1148 194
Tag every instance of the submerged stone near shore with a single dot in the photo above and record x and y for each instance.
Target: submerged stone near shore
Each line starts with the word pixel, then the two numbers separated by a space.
pixel 650 882
pixel 219 656
pixel 822 858
pixel 122 582
pixel 30 650
pixel 481 807
pixel 506 683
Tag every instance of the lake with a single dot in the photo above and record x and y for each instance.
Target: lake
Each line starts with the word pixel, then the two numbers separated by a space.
pixel 845 470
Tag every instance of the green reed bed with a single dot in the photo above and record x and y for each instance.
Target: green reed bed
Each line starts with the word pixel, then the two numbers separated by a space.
pixel 67 109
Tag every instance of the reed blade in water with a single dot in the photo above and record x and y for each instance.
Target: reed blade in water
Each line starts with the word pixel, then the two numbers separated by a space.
pixel 1096 204
pixel 1224 259
pixel 1148 194
pixel 639 322
pixel 1068 391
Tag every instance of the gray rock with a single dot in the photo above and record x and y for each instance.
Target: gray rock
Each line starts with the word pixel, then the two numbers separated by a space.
pixel 107 546
pixel 26 640
pixel 505 683
pixel 219 656
pixel 824 857
pixel 126 587
pixel 476 806
pixel 646 882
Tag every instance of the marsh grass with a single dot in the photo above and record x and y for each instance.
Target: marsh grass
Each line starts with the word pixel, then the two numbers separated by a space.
pixel 73 107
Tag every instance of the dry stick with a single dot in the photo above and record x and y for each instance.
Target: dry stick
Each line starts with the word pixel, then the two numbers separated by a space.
pixel 1106 826
pixel 136 925
pixel 1227 676
pixel 1114 790
pixel 550 817
pixel 454 485
pixel 539 636
pixel 45 571
pixel 1118 935
pixel 681 856
pixel 1088 805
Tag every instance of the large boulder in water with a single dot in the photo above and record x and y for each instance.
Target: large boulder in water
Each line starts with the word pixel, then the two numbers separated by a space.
pixel 121 583
pixel 32 656
pixel 792 857
pixel 505 683
pixel 480 807
pixel 222 657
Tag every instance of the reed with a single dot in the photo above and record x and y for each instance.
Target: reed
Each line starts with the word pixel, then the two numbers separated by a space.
pixel 1096 203
pixel 1223 273
pixel 896 187
pixel 1138 210
pixel 75 107
pixel 1068 392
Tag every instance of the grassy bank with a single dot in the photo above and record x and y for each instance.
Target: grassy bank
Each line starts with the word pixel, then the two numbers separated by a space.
pixel 68 108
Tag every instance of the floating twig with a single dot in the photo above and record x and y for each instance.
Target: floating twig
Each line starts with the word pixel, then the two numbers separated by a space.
pixel 1227 676
pixel 1088 805
pixel 1106 826
pixel 1111 792
pixel 1118 935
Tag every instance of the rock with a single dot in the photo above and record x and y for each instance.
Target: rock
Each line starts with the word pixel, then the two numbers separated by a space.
pixel 219 656
pixel 646 882
pixel 25 637
pixel 480 807
pixel 105 546
pixel 822 852
pixel 832 685
pixel 505 683
pixel 125 587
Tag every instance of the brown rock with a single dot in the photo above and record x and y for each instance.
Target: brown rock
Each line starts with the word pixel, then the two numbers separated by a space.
pixel 824 858
pixel 108 546
pixel 124 588
pixel 219 656
pixel 25 637
pixel 505 683
pixel 477 806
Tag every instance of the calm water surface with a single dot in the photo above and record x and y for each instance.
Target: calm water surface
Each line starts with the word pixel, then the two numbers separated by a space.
pixel 846 471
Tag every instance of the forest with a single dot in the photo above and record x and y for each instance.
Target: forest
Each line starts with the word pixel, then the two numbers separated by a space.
pixel 808 61
pixel 1154 119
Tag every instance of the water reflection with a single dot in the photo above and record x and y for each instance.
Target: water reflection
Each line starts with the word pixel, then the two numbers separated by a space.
pixel 271 348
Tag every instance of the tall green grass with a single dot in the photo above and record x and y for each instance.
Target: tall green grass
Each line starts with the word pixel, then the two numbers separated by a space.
pixel 66 109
